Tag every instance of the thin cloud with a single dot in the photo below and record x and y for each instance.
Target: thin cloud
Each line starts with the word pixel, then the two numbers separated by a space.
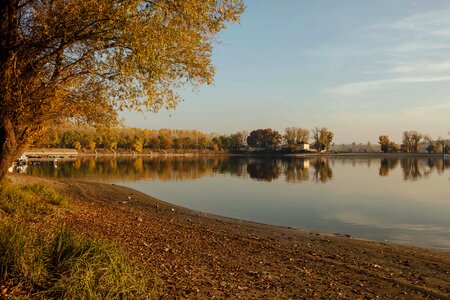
pixel 428 67
pixel 357 88
pixel 428 110
pixel 423 22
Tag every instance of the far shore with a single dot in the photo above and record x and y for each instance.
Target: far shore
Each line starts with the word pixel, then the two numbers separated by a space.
pixel 192 254
pixel 72 153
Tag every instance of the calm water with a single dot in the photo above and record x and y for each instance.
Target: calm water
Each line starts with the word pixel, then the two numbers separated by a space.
pixel 399 200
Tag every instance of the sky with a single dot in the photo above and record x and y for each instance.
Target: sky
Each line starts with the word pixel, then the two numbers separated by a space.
pixel 360 68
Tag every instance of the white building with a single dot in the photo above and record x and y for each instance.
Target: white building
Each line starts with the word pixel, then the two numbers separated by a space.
pixel 303 146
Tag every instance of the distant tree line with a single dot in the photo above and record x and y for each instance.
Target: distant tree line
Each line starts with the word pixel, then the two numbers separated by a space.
pixel 140 140
pixel 414 142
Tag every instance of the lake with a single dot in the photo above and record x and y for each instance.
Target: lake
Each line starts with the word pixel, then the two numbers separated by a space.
pixel 400 200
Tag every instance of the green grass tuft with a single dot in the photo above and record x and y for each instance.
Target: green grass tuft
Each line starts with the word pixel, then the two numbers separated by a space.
pixel 21 255
pixel 47 194
pixel 92 270
pixel 30 201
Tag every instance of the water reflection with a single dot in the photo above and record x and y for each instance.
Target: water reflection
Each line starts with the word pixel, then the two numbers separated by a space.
pixel 293 170
pixel 387 165
pixel 372 198
pixel 264 169
pixel 322 170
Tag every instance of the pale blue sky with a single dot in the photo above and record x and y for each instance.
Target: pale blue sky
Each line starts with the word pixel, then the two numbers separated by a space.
pixel 360 68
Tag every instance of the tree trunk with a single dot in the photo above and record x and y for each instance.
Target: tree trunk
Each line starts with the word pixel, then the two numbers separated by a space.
pixel 9 149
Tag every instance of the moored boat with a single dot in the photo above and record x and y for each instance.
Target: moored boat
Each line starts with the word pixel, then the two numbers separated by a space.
pixel 22 160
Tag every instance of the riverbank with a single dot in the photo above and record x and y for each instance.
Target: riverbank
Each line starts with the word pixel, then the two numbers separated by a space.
pixel 196 255
pixel 42 154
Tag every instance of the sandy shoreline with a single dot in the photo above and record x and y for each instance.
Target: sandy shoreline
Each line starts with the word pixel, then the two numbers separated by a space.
pixel 201 256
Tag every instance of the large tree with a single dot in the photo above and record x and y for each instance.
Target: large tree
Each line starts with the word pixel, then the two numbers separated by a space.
pixel 264 138
pixel 412 141
pixel 387 145
pixel 384 143
pixel 295 135
pixel 322 138
pixel 82 60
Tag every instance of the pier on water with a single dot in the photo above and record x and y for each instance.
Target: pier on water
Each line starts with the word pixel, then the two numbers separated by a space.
pixel 50 153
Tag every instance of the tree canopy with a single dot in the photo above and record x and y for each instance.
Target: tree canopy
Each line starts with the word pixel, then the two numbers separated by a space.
pixel 412 141
pixel 322 138
pixel 295 135
pixel 83 60
pixel 264 138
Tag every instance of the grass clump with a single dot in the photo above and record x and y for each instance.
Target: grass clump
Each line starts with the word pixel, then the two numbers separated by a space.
pixel 55 263
pixel 29 201
pixel 48 194
pixel 21 255
pixel 86 269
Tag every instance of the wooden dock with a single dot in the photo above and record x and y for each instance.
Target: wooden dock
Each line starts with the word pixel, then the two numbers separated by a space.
pixel 50 153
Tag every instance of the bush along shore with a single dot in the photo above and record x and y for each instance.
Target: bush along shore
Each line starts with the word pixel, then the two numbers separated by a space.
pixel 117 243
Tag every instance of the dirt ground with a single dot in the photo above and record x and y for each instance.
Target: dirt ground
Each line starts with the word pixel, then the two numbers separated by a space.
pixel 201 256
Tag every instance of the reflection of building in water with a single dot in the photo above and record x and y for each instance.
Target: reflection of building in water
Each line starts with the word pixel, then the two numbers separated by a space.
pixel 296 170
pixel 304 163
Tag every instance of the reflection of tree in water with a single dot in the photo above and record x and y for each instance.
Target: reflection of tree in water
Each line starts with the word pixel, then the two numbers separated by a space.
pixel 185 168
pixel 77 164
pixel 233 166
pixel 92 164
pixel 112 163
pixel 296 170
pixel 177 168
pixel 263 169
pixel 414 168
pixel 440 165
pixel 127 168
pixel 139 165
pixel 387 164
pixel 322 170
